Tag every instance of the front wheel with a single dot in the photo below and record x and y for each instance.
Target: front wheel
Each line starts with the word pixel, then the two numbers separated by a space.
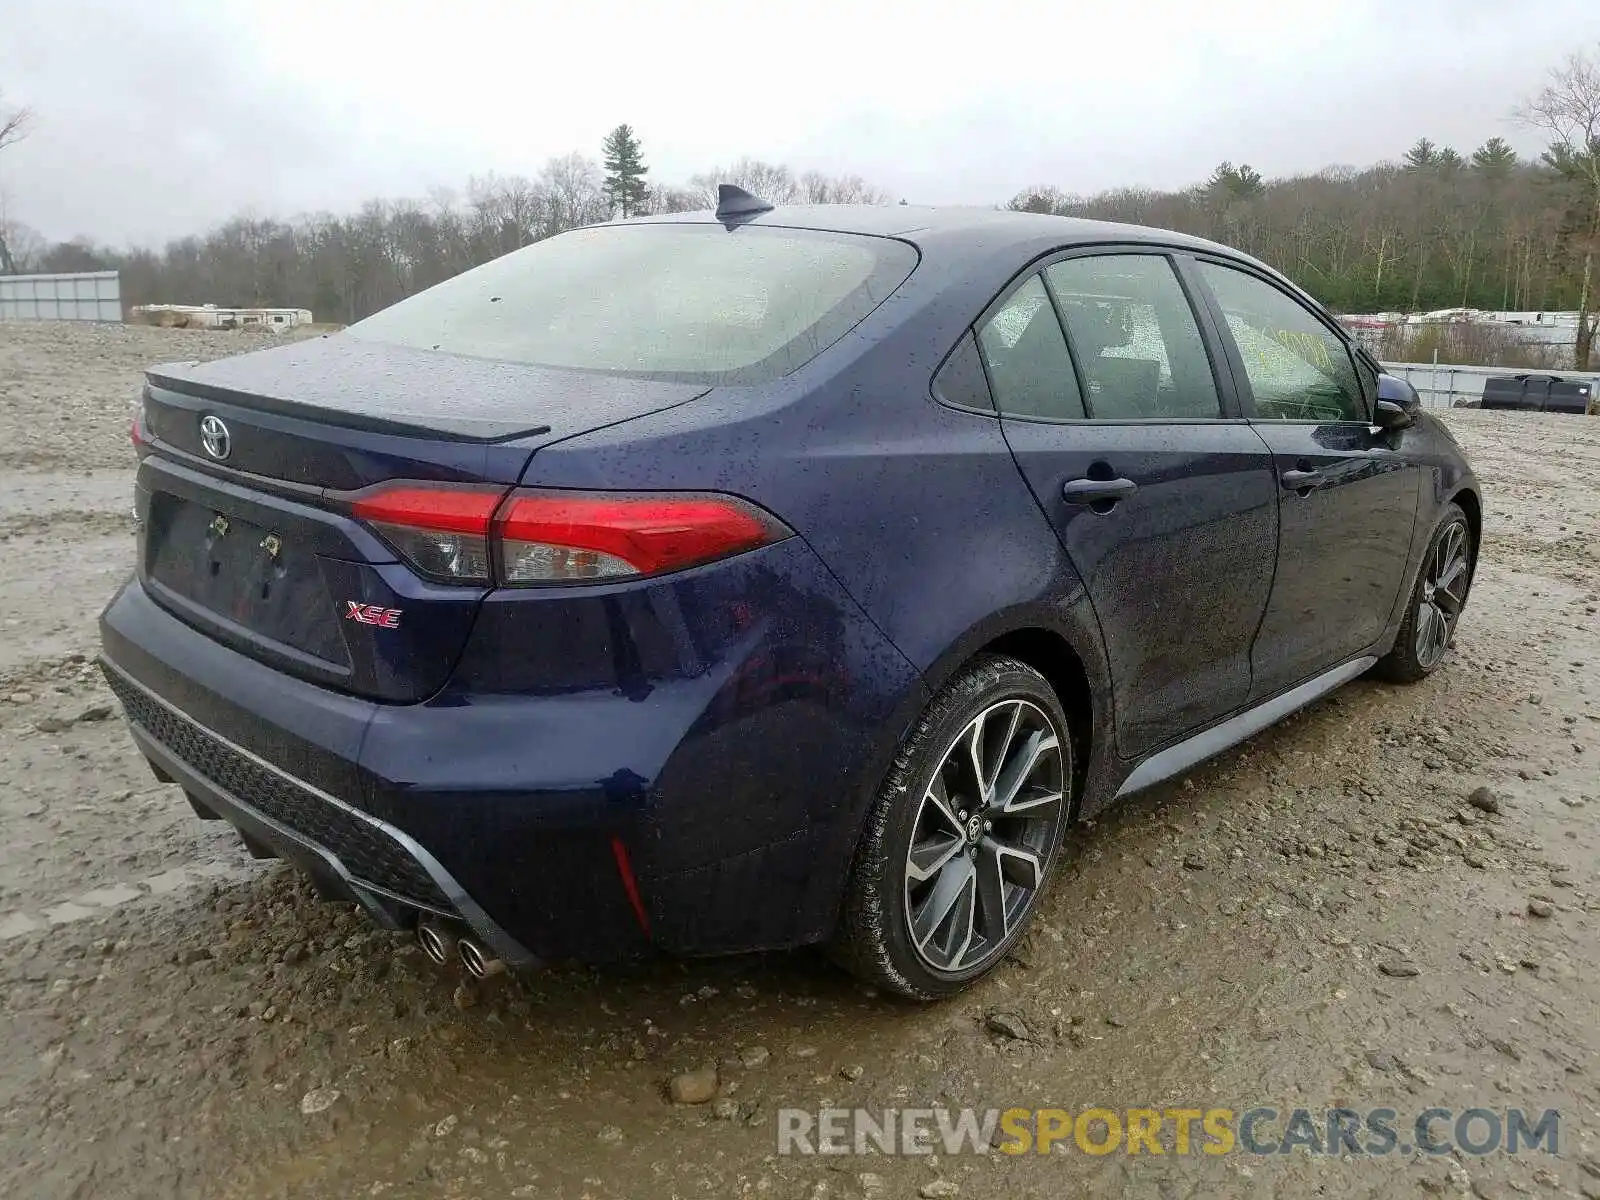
pixel 1436 601
pixel 962 834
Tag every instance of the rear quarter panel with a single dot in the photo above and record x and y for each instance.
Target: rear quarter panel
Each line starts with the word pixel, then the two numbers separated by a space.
pixel 918 510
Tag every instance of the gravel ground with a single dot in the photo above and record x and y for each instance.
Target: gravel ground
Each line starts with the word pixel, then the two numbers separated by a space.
pixel 1318 918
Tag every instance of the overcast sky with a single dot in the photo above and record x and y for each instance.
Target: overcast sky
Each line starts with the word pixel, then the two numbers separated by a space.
pixel 162 117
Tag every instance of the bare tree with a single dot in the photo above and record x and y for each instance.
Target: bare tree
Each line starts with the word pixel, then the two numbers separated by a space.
pixel 773 183
pixel 818 188
pixel 1042 198
pixel 507 212
pixel 21 247
pixel 14 126
pixel 1568 110
pixel 571 183
pixel 673 200
pixel 14 123
pixel 777 184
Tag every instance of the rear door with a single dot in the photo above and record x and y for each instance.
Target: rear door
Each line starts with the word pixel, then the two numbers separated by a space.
pixel 1347 492
pixel 1162 497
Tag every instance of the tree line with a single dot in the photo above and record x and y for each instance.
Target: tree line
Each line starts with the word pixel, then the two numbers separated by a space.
pixel 1436 229
pixel 1432 231
pixel 346 266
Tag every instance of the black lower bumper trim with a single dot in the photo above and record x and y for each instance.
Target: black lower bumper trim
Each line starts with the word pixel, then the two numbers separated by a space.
pixel 347 851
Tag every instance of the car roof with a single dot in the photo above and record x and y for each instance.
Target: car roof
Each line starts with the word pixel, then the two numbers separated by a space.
pixel 929 226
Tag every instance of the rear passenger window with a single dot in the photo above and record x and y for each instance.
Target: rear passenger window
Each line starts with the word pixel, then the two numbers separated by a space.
pixel 1029 370
pixel 1135 338
pixel 1299 370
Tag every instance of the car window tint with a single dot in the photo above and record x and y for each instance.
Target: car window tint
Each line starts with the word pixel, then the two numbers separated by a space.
pixel 1298 369
pixel 1135 338
pixel 960 381
pixel 1029 370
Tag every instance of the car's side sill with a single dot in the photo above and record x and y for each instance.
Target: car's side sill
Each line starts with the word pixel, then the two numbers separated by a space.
pixel 1235 729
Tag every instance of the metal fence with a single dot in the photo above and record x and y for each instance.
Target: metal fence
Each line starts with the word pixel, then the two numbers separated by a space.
pixel 88 296
pixel 1440 385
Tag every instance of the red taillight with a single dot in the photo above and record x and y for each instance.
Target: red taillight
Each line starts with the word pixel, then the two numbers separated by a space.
pixel 441 531
pixel 571 537
pixel 447 510
pixel 552 537
pixel 136 429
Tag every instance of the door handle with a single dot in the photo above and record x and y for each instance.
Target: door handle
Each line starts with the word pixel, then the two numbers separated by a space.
pixel 1297 481
pixel 1097 491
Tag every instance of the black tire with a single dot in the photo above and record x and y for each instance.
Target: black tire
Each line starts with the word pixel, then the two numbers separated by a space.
pixel 1017 840
pixel 1412 658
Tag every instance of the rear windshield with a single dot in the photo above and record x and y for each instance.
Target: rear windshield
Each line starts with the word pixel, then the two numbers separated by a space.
pixel 697 303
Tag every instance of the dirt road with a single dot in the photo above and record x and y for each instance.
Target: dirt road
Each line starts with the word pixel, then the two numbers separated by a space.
pixel 1317 919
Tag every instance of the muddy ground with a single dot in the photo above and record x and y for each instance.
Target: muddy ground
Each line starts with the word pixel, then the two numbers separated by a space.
pixel 1316 919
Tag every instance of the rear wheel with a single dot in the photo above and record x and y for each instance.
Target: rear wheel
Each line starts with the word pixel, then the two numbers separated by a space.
pixel 1437 599
pixel 962 834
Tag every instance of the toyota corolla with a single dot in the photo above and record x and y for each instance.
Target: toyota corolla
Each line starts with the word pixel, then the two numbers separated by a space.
pixel 768 577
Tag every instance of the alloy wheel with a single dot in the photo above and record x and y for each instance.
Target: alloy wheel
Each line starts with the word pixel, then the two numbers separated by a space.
pixel 981 840
pixel 1444 591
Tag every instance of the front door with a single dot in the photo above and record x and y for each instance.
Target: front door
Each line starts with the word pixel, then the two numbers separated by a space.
pixel 1166 507
pixel 1347 494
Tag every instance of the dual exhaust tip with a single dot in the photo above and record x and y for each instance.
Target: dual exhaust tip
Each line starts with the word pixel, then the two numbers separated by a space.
pixel 441 943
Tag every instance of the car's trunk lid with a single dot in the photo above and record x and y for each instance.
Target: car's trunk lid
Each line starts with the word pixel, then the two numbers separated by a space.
pixel 255 545
pixel 344 383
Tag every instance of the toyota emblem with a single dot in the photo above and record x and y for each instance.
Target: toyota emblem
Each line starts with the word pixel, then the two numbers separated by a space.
pixel 214 437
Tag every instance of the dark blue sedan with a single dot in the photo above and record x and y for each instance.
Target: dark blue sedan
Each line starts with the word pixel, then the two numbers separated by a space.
pixel 768 576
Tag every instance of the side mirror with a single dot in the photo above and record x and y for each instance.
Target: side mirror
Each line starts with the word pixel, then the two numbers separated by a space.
pixel 1398 403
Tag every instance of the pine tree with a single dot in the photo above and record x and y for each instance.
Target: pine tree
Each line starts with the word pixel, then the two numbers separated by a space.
pixel 1229 183
pixel 625 185
pixel 1423 154
pixel 1220 179
pixel 1495 158
pixel 1247 184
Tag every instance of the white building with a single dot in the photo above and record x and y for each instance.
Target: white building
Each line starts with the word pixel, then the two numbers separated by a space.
pixel 1547 328
pixel 210 316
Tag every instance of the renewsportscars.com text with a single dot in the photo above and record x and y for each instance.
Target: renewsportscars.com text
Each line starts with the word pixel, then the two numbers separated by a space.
pixel 1260 1130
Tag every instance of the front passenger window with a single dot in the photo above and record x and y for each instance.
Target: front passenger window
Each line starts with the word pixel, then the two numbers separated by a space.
pixel 1298 369
pixel 1030 373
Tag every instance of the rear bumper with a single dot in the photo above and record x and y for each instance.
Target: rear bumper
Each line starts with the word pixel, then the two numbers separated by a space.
pixel 727 779
pixel 350 854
